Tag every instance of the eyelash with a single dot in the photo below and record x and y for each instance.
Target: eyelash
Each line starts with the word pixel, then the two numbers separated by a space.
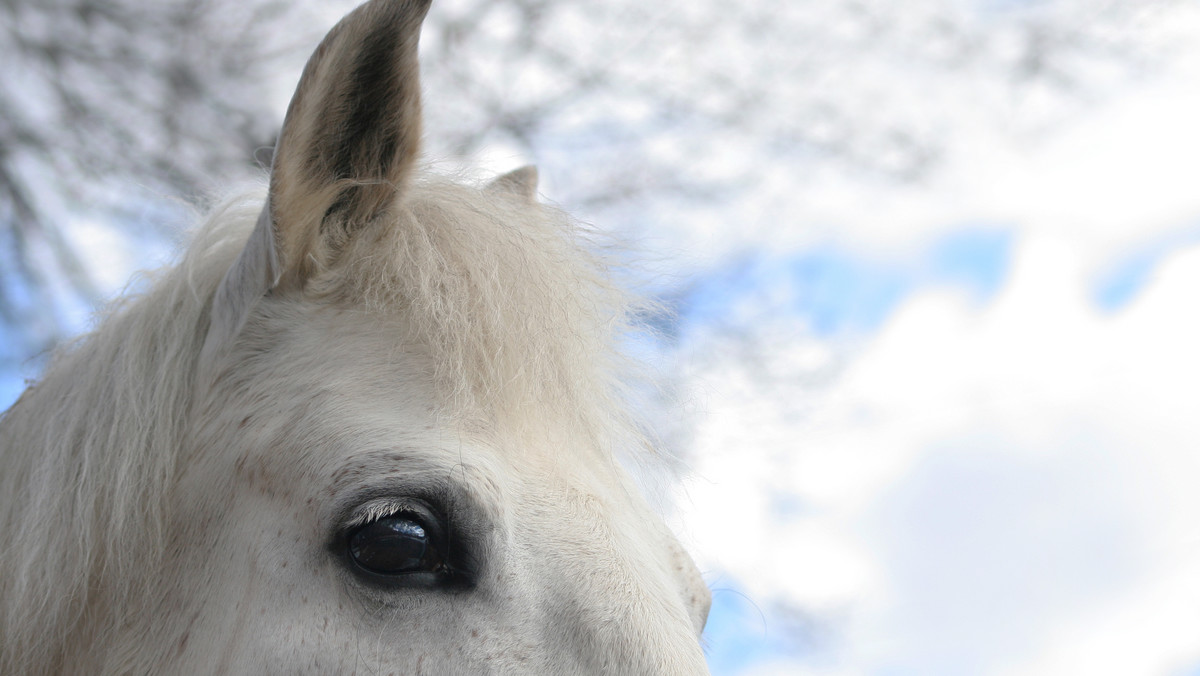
pixel 376 510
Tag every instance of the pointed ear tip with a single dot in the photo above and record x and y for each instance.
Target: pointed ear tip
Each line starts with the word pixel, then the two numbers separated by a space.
pixel 522 181
pixel 405 11
pixel 528 174
pixel 401 5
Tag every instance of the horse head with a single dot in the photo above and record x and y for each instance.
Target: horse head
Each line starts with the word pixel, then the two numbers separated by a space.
pixel 379 435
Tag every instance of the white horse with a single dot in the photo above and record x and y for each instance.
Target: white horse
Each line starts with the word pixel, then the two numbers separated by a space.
pixel 367 428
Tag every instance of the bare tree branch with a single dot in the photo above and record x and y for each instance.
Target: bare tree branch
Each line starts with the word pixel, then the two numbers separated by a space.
pixel 107 106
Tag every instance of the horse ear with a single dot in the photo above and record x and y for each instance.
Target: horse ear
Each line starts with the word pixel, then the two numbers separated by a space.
pixel 343 158
pixel 522 181
pixel 351 134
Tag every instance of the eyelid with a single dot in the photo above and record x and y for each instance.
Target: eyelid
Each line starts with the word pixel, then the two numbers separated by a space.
pixel 364 503
pixel 383 507
pixel 379 508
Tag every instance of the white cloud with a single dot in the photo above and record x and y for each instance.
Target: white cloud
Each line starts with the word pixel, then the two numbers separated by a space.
pixel 1104 180
pixel 1006 490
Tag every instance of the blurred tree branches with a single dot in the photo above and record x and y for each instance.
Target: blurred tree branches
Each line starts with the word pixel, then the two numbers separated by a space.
pixel 106 107
pixel 111 108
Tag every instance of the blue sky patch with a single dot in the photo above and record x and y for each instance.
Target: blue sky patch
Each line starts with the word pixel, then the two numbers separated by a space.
pixel 976 260
pixel 837 291
pixel 740 633
pixel 1124 278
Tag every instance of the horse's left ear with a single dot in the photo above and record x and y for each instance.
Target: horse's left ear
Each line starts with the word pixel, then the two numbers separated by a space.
pixel 521 182
pixel 346 152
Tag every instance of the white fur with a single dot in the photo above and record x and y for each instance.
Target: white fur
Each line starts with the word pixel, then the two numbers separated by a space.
pixel 164 511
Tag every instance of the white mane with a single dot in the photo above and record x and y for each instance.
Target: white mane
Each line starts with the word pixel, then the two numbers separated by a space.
pixel 518 318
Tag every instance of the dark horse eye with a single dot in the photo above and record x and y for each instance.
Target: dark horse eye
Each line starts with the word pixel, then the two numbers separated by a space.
pixel 398 544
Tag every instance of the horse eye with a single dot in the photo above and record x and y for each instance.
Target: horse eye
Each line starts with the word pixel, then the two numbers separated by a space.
pixel 399 544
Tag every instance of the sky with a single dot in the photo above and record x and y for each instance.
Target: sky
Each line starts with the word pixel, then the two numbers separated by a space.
pixel 971 449
pixel 943 426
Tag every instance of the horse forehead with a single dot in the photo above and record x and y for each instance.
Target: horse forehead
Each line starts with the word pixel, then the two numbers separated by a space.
pixel 343 384
pixel 339 398
pixel 355 363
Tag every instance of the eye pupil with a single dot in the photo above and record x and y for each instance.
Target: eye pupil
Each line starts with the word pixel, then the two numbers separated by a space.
pixel 393 545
